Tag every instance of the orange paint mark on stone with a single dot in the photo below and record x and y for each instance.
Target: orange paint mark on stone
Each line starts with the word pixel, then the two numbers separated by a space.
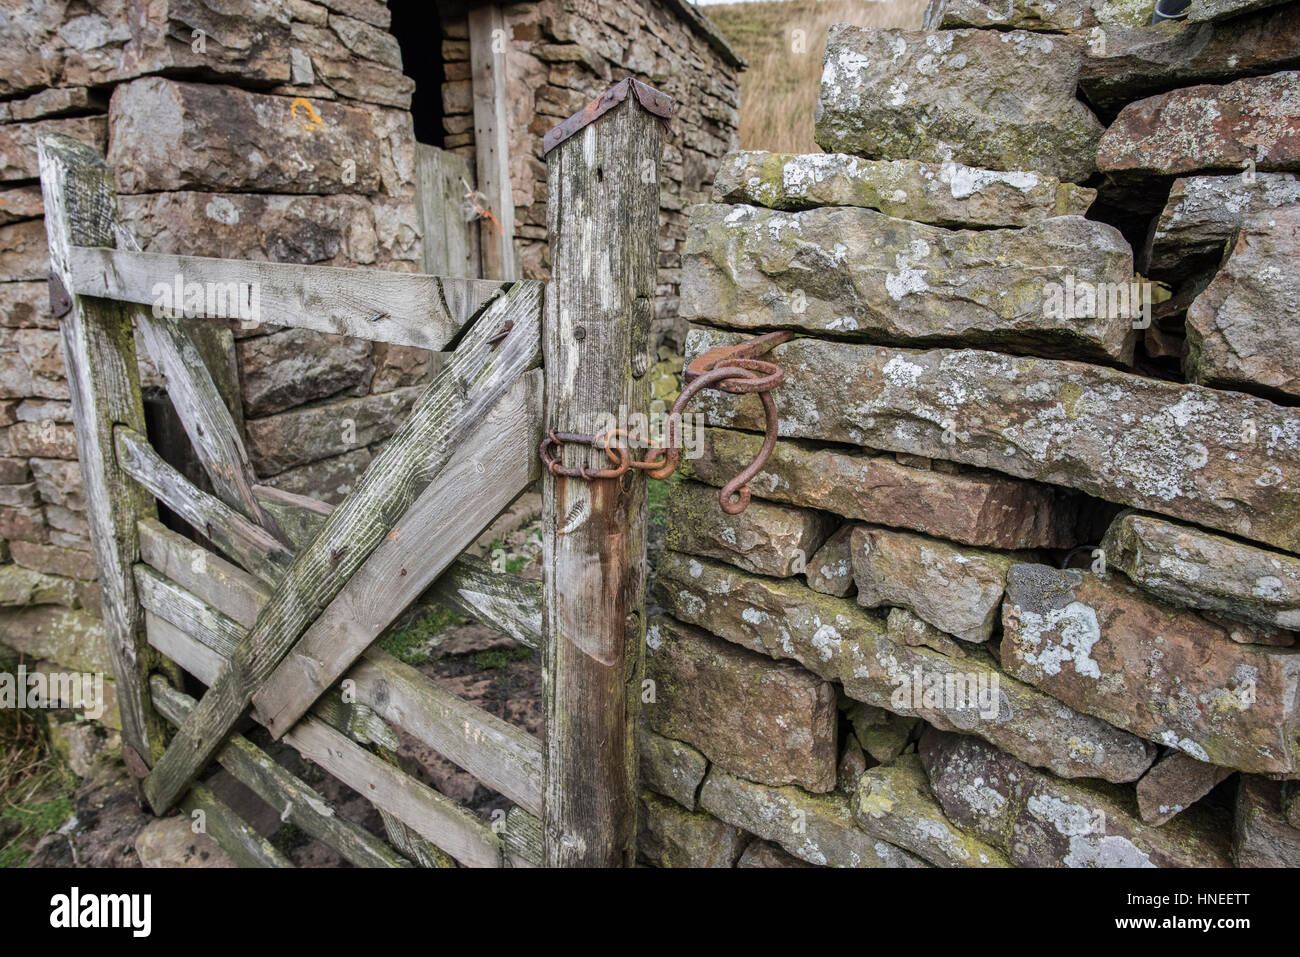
pixel 311 119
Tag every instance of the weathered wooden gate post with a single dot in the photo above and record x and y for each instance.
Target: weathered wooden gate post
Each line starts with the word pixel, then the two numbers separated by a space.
pixel 104 382
pixel 603 200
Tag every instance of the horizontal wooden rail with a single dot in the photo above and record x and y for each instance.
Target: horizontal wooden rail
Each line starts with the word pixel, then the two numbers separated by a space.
pixel 405 309
pixel 435 817
pixel 223 585
pixel 184 648
pixel 251 545
pixel 299 803
pixel 505 758
pixel 215 630
pixel 502 756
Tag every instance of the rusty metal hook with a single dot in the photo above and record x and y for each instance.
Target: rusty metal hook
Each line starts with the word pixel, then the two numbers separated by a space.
pixel 743 354
pixel 733 369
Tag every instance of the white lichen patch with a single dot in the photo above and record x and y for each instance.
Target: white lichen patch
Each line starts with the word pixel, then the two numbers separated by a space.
pixel 1269 588
pixel 939 42
pixel 1186 745
pixel 982 797
pixel 901 372
pixel 222 210
pixel 1060 635
pixel 1110 850
pixel 965 181
pixel 827 642
pixel 692 605
pixel 1069 819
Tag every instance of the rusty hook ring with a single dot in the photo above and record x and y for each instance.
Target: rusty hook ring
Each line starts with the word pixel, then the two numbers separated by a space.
pixel 734 355
pixel 619 453
pixel 763 377
pixel 649 465
pixel 739 486
pixel 616 453
pixel 669 451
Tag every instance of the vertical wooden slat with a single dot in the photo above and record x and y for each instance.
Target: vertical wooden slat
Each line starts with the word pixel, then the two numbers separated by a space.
pixel 603 196
pixel 487 55
pixel 99 350
pixel 451 242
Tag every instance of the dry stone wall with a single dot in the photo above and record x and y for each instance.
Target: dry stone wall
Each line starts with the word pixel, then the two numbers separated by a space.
pixel 1046 559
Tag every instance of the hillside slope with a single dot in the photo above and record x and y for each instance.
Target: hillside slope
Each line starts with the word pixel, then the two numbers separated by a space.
pixel 783 42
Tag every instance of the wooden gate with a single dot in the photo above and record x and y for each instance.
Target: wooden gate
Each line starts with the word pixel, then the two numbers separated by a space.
pixel 280 618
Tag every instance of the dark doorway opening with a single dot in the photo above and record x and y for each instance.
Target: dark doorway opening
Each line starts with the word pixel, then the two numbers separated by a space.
pixel 418 30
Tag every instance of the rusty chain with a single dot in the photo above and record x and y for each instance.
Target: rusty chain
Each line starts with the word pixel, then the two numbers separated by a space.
pixel 733 369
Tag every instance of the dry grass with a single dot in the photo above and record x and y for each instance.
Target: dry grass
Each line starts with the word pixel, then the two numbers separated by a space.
pixel 784 42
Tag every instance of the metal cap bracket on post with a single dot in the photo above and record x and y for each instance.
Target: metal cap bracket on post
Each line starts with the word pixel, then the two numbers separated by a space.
pixel 660 104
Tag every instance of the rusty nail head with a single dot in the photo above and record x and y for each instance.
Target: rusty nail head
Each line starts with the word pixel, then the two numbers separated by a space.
pixel 60 301
pixel 500 337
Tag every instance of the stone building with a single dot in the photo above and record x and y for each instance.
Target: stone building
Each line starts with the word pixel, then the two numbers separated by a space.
pixel 401 136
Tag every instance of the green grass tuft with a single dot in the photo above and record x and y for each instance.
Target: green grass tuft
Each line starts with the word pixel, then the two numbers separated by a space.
pixel 414 643
pixel 497 659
